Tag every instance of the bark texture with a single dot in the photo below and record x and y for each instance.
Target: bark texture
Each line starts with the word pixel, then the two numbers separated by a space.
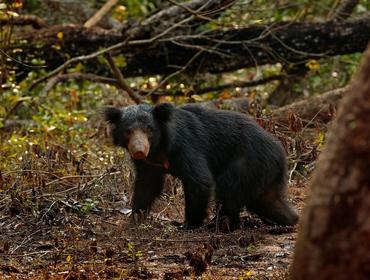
pixel 334 237
pixel 321 107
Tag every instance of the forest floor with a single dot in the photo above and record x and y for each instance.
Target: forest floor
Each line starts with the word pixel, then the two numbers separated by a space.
pixel 108 245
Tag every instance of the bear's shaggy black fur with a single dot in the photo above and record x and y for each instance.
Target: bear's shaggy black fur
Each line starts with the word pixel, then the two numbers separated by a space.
pixel 210 151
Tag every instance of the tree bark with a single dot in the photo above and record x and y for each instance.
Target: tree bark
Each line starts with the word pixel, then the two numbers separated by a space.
pixel 21 20
pixel 345 9
pixel 215 52
pixel 334 235
pixel 321 107
pixel 240 48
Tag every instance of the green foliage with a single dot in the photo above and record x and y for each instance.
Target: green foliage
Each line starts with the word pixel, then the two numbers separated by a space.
pixel 333 72
pixel 60 116
pixel 87 207
pixel 135 255
pixel 31 5
pixel 245 13
pixel 138 8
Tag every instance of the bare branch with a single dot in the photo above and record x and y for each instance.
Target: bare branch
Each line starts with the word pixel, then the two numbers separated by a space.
pixel 182 69
pixel 101 13
pixel 197 8
pixel 121 81
pixel 76 76
pixel 221 51
pixel 32 20
pixel 203 15
pixel 107 50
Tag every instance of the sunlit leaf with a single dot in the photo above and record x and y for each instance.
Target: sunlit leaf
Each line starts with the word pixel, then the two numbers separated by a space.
pixel 197 97
pixel 37 61
pixel 50 128
pixel 313 64
pixel 69 259
pixel 257 21
pixel 120 61
pixel 319 140
pixel 56 46
pixel 2 111
pixel 60 35
pixel 224 95
pixel 119 13
pixel 17 4
pixel 79 67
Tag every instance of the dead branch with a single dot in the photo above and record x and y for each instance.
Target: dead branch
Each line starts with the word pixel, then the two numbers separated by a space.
pixel 101 13
pixel 222 51
pixel 21 20
pixel 248 47
pixel 76 76
pixel 111 49
pixel 121 81
pixel 241 84
pixel 202 11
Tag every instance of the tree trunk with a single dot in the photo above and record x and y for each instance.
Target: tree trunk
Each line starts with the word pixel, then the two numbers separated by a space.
pixel 334 236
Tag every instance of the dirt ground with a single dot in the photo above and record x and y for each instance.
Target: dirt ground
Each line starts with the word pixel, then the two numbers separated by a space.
pixel 106 244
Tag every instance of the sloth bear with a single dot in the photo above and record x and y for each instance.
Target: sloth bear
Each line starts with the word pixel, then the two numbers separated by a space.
pixel 212 152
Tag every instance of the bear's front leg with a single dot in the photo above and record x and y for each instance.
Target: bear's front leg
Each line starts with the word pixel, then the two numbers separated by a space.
pixel 148 186
pixel 198 184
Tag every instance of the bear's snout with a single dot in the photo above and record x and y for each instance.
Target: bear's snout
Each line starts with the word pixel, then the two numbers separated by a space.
pixel 138 145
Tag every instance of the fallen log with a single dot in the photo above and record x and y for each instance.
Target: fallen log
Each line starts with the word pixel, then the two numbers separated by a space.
pixel 319 108
pixel 215 52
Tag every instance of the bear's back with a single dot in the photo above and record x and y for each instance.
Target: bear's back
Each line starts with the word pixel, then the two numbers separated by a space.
pixel 223 131
pixel 220 121
pixel 226 132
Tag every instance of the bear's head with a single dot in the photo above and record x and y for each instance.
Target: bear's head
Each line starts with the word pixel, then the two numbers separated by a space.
pixel 138 127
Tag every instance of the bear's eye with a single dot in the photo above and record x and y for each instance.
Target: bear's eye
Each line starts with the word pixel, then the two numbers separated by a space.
pixel 150 127
pixel 126 134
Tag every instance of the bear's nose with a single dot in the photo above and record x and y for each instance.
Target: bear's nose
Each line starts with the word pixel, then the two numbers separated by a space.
pixel 139 155
pixel 138 145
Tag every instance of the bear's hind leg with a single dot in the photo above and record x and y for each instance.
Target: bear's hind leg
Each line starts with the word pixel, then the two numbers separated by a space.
pixel 229 217
pixel 196 203
pixel 229 199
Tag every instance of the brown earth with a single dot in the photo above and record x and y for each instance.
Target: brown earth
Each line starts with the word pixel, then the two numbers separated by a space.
pixel 107 245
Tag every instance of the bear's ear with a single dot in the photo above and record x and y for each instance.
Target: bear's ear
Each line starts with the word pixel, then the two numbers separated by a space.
pixel 112 115
pixel 163 112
